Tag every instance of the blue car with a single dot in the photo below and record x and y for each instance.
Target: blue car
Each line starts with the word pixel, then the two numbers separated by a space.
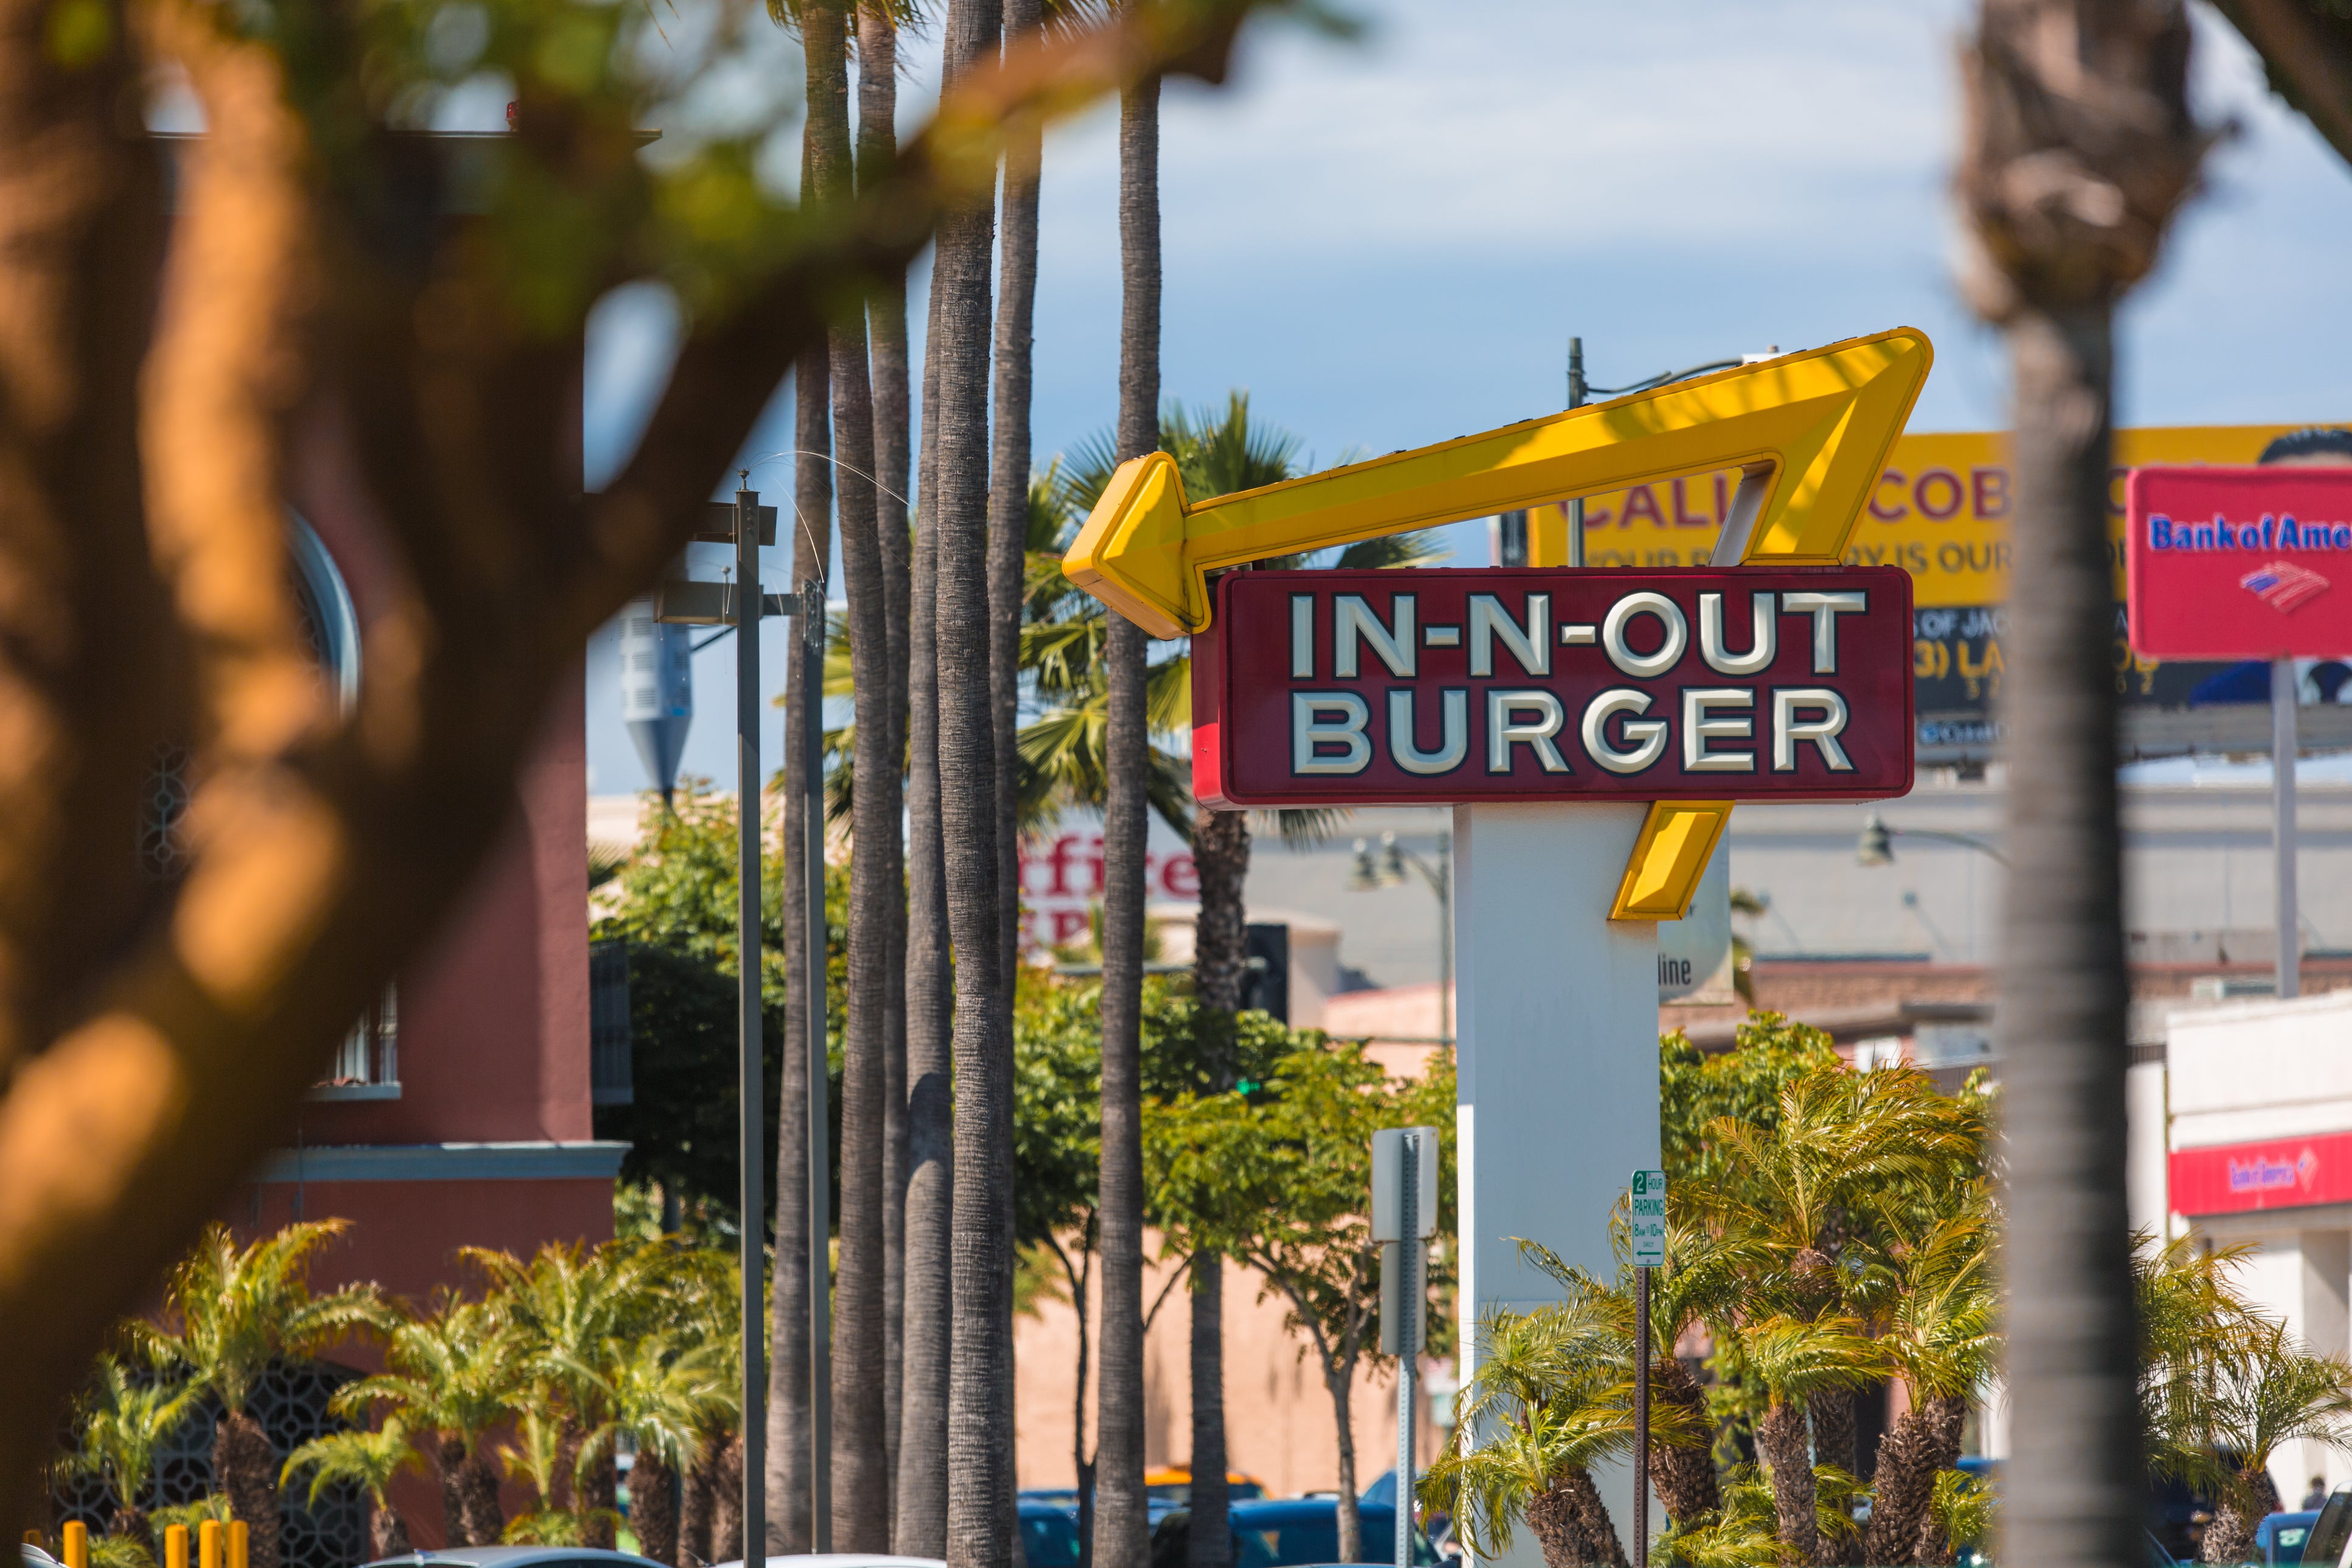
pixel 2280 1538
pixel 1049 1531
pixel 1287 1532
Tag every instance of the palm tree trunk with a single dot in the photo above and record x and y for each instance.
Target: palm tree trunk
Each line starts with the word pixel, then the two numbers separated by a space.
pixel 387 1533
pixel 133 1524
pixel 1008 490
pixel 788 1500
pixel 2078 147
pixel 1572 1524
pixel 484 1517
pixel 1122 1528
pixel 1081 1282
pixel 1902 1482
pixel 1784 1445
pixel 697 1501
pixel 1685 1477
pixel 861 1494
pixel 448 1459
pixel 1220 849
pixel 727 1503
pixel 919 1528
pixel 600 1495
pixel 885 315
pixel 653 1505
pixel 1834 1443
pixel 980 1415
pixel 247 1472
pixel 1942 1422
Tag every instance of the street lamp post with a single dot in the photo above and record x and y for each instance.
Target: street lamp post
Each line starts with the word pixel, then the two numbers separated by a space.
pixel 1387 872
pixel 1876 847
pixel 738 607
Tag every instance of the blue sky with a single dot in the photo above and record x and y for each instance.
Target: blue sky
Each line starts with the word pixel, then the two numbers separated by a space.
pixel 1388 242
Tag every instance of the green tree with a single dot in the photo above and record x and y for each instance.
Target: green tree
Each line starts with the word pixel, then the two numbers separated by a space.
pixel 674 903
pixel 661 1392
pixel 369 1460
pixel 1278 1181
pixel 123 1419
pixel 230 1314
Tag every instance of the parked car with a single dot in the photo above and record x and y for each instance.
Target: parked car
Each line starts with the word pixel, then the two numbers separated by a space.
pixel 1049 1531
pixel 2331 1532
pixel 519 1557
pixel 2280 1538
pixel 1287 1532
pixel 821 1560
pixel 1170 1488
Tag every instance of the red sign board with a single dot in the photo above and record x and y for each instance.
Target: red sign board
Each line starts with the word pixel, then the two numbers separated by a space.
pixel 2281 1174
pixel 1394 688
pixel 2240 563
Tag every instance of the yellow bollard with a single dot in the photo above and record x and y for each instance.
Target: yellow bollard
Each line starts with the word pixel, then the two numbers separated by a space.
pixel 75 1544
pixel 208 1545
pixel 175 1546
pixel 37 1542
pixel 240 1543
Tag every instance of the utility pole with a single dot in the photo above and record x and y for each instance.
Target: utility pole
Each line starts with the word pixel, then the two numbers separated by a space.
pixel 820 1123
pixel 1576 395
pixel 2284 695
pixel 750 1124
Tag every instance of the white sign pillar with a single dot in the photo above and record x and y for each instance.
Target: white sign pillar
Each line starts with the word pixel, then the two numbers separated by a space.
pixel 1558 1059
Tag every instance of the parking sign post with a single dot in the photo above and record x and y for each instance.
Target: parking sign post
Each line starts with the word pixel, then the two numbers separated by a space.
pixel 1647 1209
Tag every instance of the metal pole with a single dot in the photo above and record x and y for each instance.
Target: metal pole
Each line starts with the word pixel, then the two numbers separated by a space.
pixel 820 1123
pixel 1446 933
pixel 1408 1341
pixel 2282 749
pixel 1576 393
pixel 752 1088
pixel 1641 1418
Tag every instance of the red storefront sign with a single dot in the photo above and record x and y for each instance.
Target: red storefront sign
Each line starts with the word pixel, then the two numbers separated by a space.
pixel 2281 1173
pixel 1372 688
pixel 2229 563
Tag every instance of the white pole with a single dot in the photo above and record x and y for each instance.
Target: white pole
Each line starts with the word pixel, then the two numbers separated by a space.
pixel 2282 750
pixel 1408 1340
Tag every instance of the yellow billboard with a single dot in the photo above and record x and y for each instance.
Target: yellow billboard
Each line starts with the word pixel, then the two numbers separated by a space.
pixel 1940 510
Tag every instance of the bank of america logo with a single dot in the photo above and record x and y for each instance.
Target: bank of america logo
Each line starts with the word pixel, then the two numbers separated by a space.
pixel 2283 586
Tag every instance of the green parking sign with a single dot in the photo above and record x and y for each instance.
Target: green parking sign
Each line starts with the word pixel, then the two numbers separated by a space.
pixel 1647 1205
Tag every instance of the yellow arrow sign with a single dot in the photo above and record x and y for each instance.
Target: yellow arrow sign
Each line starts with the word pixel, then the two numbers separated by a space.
pixel 1808 431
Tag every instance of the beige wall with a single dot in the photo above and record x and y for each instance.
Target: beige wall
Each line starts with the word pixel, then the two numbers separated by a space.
pixel 1279 1420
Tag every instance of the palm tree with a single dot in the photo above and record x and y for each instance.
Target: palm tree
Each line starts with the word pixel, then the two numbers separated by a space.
pixel 1938 1335
pixel 1796 1359
pixel 860 1473
pixel 1551 1398
pixel 233 1313
pixel 575 1308
pixel 885 315
pixel 662 1392
pixel 1122 1525
pixel 538 1458
pixel 366 1459
pixel 978 1436
pixel 124 1419
pixel 918 1525
pixel 2270 1393
pixel 450 1376
pixel 2077 148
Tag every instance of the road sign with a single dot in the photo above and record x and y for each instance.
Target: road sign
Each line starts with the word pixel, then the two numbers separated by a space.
pixel 1646 1200
pixel 1381 688
pixel 2240 563
pixel 1404 1184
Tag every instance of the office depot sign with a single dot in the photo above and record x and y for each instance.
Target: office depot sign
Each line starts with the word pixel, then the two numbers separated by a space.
pixel 2240 563
pixel 1371 687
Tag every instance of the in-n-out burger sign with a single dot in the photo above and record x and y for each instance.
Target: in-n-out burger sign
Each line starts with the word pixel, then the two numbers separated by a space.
pixel 1550 684
pixel 1364 688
